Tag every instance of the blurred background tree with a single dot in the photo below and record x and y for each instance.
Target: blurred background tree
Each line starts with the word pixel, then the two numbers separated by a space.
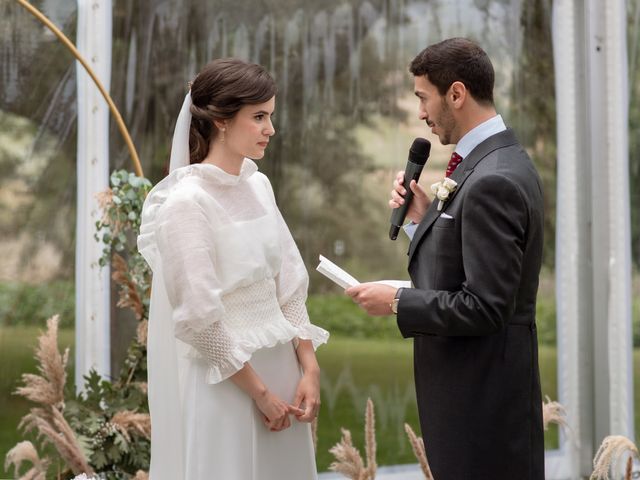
pixel 344 89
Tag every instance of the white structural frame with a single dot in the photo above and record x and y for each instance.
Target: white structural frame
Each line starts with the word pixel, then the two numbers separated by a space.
pixel 593 232
pixel 92 349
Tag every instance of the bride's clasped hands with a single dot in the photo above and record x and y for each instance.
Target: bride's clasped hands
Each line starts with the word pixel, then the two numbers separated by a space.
pixel 306 404
pixel 275 411
pixel 307 396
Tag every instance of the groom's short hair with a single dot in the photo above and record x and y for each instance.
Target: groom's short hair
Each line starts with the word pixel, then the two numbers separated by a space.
pixel 457 60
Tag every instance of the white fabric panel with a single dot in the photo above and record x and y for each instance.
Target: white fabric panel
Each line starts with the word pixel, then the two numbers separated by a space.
pixel 593 261
pixel 564 464
pixel 618 230
pixel 92 282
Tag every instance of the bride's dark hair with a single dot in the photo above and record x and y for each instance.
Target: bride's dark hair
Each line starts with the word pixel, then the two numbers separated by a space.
pixel 218 92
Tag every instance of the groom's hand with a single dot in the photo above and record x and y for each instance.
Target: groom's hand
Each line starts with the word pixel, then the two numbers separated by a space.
pixel 420 203
pixel 374 298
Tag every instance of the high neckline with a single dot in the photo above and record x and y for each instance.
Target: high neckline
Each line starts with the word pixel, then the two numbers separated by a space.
pixel 218 175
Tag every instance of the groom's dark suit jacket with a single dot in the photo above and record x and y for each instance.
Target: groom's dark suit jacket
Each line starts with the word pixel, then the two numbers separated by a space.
pixel 472 317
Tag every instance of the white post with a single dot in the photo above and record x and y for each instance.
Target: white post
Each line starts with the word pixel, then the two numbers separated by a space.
pixel 617 229
pixel 92 282
pixel 611 233
pixel 571 248
pixel 593 253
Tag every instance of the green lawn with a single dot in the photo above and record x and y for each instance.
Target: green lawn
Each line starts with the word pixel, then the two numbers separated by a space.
pixel 382 369
pixel 353 370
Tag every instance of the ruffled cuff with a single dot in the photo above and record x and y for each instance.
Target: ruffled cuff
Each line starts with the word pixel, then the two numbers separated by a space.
pixel 225 356
pixel 222 354
pixel 295 311
pixel 317 335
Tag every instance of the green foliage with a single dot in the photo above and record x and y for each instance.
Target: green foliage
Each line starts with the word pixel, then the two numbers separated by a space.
pixel 546 320
pixel 106 448
pixel 635 311
pixel 118 229
pixel 110 451
pixel 26 304
pixel 123 205
pixel 341 317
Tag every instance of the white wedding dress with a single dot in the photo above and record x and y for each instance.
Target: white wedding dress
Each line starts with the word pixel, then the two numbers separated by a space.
pixel 229 287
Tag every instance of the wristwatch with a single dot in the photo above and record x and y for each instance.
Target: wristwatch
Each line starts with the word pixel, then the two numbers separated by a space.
pixel 396 300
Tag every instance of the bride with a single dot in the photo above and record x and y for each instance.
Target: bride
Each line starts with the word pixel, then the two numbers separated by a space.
pixel 233 377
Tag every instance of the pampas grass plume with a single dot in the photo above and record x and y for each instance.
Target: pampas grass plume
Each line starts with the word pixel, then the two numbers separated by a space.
pixel 370 438
pixel 48 387
pixel 26 452
pixel 127 422
pixel 418 450
pixel 142 332
pixel 553 412
pixel 129 297
pixel 348 460
pixel 608 455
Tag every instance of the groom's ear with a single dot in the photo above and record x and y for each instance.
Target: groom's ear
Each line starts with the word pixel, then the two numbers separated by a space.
pixel 457 94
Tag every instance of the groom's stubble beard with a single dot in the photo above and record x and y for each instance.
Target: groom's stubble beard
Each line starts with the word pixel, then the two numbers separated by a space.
pixel 447 123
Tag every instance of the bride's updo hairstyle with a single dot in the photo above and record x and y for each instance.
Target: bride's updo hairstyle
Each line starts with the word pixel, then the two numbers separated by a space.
pixel 218 92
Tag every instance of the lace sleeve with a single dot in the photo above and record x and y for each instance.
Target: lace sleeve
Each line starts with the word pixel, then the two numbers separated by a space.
pixel 295 311
pixel 220 351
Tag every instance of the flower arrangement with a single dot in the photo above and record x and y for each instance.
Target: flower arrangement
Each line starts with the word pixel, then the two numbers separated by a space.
pixel 104 431
pixel 443 189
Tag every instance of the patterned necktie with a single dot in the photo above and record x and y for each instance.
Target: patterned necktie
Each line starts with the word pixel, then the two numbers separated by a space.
pixel 453 164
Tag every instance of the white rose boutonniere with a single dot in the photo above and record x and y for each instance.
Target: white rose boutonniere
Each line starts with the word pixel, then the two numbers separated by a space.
pixel 443 189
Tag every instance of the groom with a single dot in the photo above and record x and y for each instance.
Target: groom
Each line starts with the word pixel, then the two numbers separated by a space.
pixel 474 264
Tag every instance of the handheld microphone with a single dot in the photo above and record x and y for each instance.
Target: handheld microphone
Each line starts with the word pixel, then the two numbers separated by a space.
pixel 418 155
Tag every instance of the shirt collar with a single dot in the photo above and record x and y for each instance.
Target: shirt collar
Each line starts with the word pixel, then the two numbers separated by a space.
pixel 479 134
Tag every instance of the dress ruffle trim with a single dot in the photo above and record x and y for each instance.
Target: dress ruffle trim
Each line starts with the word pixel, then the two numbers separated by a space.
pixel 265 337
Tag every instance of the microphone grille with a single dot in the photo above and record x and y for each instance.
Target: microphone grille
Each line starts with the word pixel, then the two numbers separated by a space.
pixel 419 151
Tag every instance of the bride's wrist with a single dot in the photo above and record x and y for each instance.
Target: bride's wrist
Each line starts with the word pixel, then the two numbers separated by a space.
pixel 259 393
pixel 313 371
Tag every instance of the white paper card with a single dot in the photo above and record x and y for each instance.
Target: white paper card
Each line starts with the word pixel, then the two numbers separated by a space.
pixel 335 273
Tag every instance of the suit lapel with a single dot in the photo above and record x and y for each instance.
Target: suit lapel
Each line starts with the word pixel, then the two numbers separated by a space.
pixel 459 176
pixel 499 140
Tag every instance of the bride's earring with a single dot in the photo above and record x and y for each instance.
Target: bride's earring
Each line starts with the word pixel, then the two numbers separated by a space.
pixel 222 135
